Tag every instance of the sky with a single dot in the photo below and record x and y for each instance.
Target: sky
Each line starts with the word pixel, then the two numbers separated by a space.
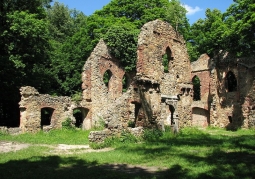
pixel 196 8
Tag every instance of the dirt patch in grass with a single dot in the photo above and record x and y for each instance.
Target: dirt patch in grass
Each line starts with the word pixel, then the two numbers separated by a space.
pixel 6 146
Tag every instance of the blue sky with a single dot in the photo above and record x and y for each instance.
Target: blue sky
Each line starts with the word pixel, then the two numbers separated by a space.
pixel 196 8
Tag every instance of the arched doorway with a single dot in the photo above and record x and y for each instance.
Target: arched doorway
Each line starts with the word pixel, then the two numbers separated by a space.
pixel 80 114
pixel 231 82
pixel 46 115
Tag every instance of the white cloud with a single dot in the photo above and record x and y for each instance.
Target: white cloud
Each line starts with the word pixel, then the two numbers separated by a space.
pixel 191 10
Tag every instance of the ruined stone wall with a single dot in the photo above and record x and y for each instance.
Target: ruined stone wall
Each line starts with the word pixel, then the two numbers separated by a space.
pixel 167 94
pixel 201 108
pixel 99 97
pixel 223 104
pixel 233 109
pixel 31 105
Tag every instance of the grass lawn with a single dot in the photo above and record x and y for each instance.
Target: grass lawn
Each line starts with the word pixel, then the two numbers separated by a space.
pixel 193 153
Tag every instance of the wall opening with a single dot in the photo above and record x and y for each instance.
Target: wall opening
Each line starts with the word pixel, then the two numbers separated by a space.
pixel 230 119
pixel 107 77
pixel 80 114
pixel 124 83
pixel 200 117
pixel 46 115
pixel 167 60
pixel 171 115
pixel 231 82
pixel 196 89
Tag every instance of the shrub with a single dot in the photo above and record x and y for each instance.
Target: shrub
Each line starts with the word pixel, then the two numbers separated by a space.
pixel 152 134
pixel 67 124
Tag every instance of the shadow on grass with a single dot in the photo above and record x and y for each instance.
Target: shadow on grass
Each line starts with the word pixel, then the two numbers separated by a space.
pixel 224 156
pixel 70 167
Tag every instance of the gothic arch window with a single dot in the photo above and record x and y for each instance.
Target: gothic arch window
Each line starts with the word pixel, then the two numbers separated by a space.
pixel 107 77
pixel 125 83
pixel 167 60
pixel 231 82
pixel 196 88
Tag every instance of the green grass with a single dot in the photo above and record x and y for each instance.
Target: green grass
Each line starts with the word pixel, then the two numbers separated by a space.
pixel 61 136
pixel 193 153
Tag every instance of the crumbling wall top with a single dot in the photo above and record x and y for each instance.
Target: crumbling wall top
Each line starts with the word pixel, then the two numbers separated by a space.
pixel 202 64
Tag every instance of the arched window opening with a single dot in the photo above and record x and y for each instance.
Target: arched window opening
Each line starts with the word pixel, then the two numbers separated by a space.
pixel 80 114
pixel 124 83
pixel 196 89
pixel 46 114
pixel 231 82
pixel 107 77
pixel 167 60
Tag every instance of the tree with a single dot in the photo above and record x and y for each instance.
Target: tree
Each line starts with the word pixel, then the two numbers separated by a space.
pixel 23 53
pixel 70 47
pixel 240 20
pixel 176 16
pixel 119 23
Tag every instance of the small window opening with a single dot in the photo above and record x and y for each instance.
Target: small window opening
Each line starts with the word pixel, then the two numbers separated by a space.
pixel 107 77
pixel 231 82
pixel 196 89
pixel 46 115
pixel 230 119
pixel 167 60
pixel 124 83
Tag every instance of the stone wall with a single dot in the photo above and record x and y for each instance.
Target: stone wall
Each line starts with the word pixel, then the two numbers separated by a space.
pixel 31 105
pixel 159 93
pixel 227 90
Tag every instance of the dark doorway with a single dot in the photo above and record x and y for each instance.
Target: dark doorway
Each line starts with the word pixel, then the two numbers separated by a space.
pixel 231 82
pixel 80 114
pixel 171 109
pixel 46 115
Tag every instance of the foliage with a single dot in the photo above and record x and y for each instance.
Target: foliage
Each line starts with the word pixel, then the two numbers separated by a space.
pixel 131 123
pixel 122 40
pixel 70 47
pixel 232 31
pixel 152 135
pixel 67 124
pixel 176 16
pixel 77 97
pixel 23 47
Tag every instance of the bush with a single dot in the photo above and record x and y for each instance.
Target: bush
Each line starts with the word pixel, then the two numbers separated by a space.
pixel 152 135
pixel 67 124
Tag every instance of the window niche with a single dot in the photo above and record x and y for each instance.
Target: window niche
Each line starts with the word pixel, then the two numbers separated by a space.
pixel 196 89
pixel 231 82
pixel 167 60
pixel 107 77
